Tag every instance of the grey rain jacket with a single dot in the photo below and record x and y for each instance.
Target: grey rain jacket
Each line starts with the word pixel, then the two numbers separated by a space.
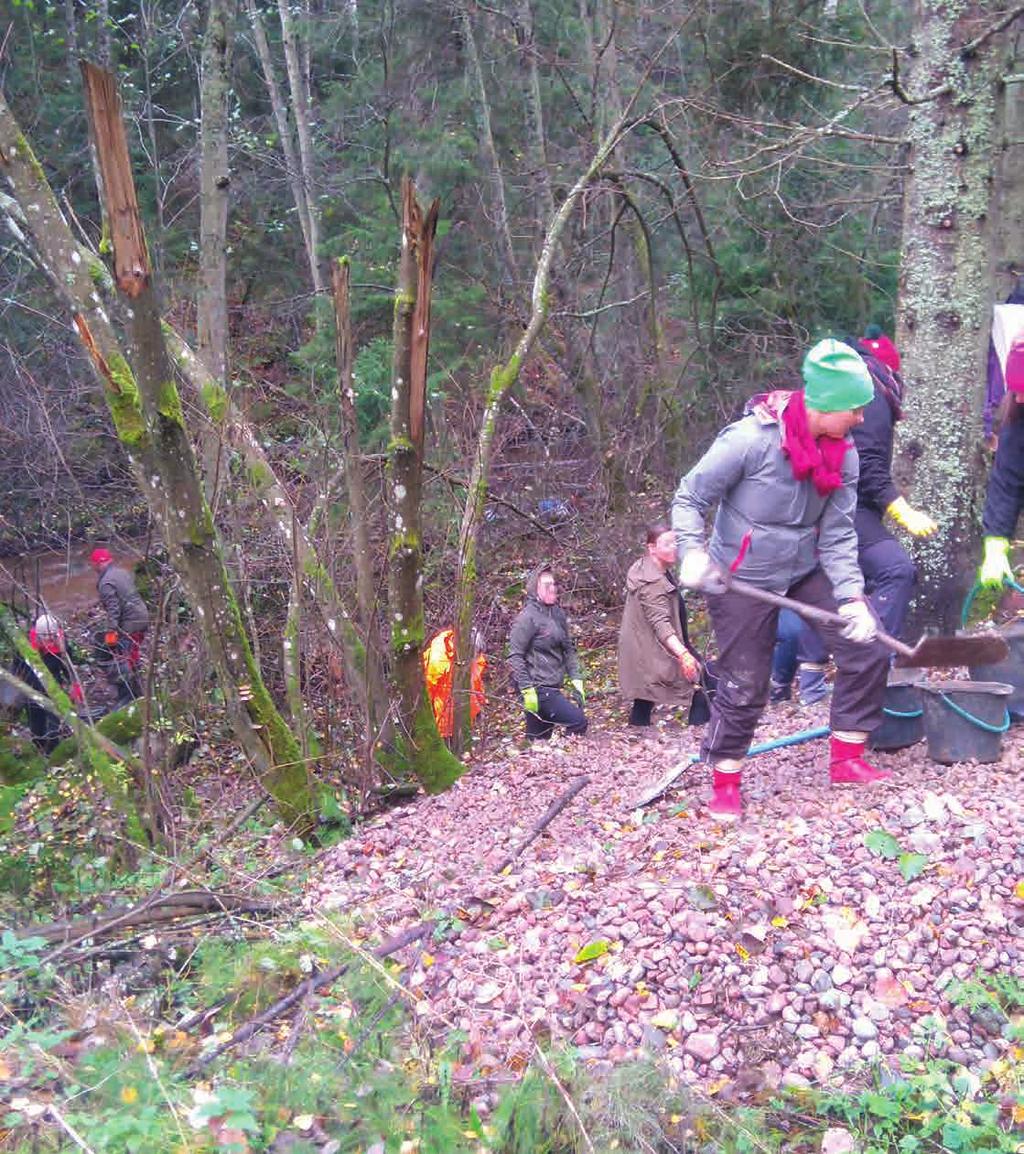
pixel 793 528
pixel 121 600
pixel 540 650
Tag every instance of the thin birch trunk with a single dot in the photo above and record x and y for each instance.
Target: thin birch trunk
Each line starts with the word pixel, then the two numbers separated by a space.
pixel 499 199
pixel 367 619
pixel 293 169
pixel 299 85
pixel 214 187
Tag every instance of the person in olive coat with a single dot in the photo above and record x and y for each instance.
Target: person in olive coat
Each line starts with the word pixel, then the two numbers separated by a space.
pixel 543 658
pixel 655 667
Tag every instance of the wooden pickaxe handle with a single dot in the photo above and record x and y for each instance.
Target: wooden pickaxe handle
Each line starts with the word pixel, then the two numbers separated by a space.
pixel 809 612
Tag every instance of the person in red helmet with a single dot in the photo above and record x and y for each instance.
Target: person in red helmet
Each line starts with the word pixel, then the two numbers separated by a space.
pixel 127 617
pixel 47 638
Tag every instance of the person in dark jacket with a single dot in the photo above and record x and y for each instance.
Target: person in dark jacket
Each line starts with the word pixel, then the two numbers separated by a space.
pixel 543 658
pixel 127 618
pixel 889 573
pixel 1004 496
pixel 655 665
pixel 47 638
pixel 784 480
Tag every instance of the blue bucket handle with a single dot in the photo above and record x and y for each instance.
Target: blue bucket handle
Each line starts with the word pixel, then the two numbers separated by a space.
pixel 1008 581
pixel 898 713
pixel 977 720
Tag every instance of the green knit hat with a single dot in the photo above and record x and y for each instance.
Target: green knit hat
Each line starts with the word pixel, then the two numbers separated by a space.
pixel 835 378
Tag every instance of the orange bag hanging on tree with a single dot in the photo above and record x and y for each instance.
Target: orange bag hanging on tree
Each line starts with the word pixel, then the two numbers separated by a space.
pixel 438 659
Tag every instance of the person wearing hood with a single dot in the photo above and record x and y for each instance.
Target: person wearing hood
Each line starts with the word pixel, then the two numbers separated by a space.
pixel 655 665
pixel 543 659
pixel 784 480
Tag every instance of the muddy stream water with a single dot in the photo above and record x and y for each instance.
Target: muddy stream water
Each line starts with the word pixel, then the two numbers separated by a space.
pixel 63 582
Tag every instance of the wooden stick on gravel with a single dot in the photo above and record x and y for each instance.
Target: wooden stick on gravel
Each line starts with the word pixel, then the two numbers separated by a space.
pixel 553 810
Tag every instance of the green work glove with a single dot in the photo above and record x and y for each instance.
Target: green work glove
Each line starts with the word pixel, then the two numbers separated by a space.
pixel 577 684
pixel 995 564
pixel 530 700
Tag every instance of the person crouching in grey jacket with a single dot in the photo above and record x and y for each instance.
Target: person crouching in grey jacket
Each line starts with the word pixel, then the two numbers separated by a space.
pixel 784 480
pixel 543 658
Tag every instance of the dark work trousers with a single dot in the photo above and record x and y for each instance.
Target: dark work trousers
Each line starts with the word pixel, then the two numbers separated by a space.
pixel 745 632
pixel 889 580
pixel 554 708
pixel 641 712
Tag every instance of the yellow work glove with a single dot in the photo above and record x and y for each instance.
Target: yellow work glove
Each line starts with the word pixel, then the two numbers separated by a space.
pixel 530 700
pixel 916 523
pixel 995 563
pixel 577 684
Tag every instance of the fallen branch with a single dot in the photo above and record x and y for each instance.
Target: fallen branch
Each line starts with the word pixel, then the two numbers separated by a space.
pixel 159 908
pixel 553 810
pixel 302 991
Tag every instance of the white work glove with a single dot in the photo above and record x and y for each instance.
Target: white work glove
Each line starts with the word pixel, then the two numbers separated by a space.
pixel 860 624
pixel 698 571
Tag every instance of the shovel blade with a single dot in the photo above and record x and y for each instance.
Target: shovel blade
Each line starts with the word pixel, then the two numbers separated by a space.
pixel 984 649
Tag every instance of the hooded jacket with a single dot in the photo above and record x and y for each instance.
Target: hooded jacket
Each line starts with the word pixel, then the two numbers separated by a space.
pixel 792 527
pixel 647 670
pixel 540 650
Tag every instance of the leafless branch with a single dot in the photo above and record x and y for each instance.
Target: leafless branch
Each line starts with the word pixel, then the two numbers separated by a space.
pixel 994 29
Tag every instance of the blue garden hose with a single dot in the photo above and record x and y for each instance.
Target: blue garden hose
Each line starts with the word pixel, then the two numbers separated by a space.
pixel 780 742
pixel 909 715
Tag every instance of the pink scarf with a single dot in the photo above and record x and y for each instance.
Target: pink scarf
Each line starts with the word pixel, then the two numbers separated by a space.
pixel 819 459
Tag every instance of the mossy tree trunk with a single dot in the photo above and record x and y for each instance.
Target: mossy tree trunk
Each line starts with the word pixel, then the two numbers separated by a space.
pixel 945 295
pixel 184 516
pixel 418 747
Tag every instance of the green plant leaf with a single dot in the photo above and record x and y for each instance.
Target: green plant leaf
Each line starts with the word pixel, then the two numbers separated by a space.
pixel 591 951
pixel 882 843
pixel 912 865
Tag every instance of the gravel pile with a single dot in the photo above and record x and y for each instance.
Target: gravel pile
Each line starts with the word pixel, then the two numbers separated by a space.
pixel 793 947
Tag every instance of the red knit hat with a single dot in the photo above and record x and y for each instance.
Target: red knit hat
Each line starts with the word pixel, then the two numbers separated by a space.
pixel 1008 339
pixel 100 557
pixel 879 345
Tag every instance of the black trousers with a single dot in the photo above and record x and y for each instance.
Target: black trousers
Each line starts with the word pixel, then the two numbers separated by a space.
pixel 745 632
pixel 889 579
pixel 641 712
pixel 554 708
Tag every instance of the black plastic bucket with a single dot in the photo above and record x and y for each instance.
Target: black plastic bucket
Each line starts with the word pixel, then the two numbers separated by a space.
pixel 1010 670
pixel 903 720
pixel 965 720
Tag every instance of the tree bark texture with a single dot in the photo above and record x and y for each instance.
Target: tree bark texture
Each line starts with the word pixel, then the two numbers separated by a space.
pixel 186 521
pixel 945 295
pixel 418 745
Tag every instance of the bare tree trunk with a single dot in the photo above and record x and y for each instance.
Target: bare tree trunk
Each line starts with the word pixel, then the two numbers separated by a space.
pixel 298 82
pixel 418 746
pixel 214 185
pixel 503 377
pixel 500 202
pixel 293 167
pixel 188 528
pixel 944 295
pixel 535 113
pixel 366 600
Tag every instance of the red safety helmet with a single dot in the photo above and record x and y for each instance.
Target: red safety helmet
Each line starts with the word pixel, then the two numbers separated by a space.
pixel 100 557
